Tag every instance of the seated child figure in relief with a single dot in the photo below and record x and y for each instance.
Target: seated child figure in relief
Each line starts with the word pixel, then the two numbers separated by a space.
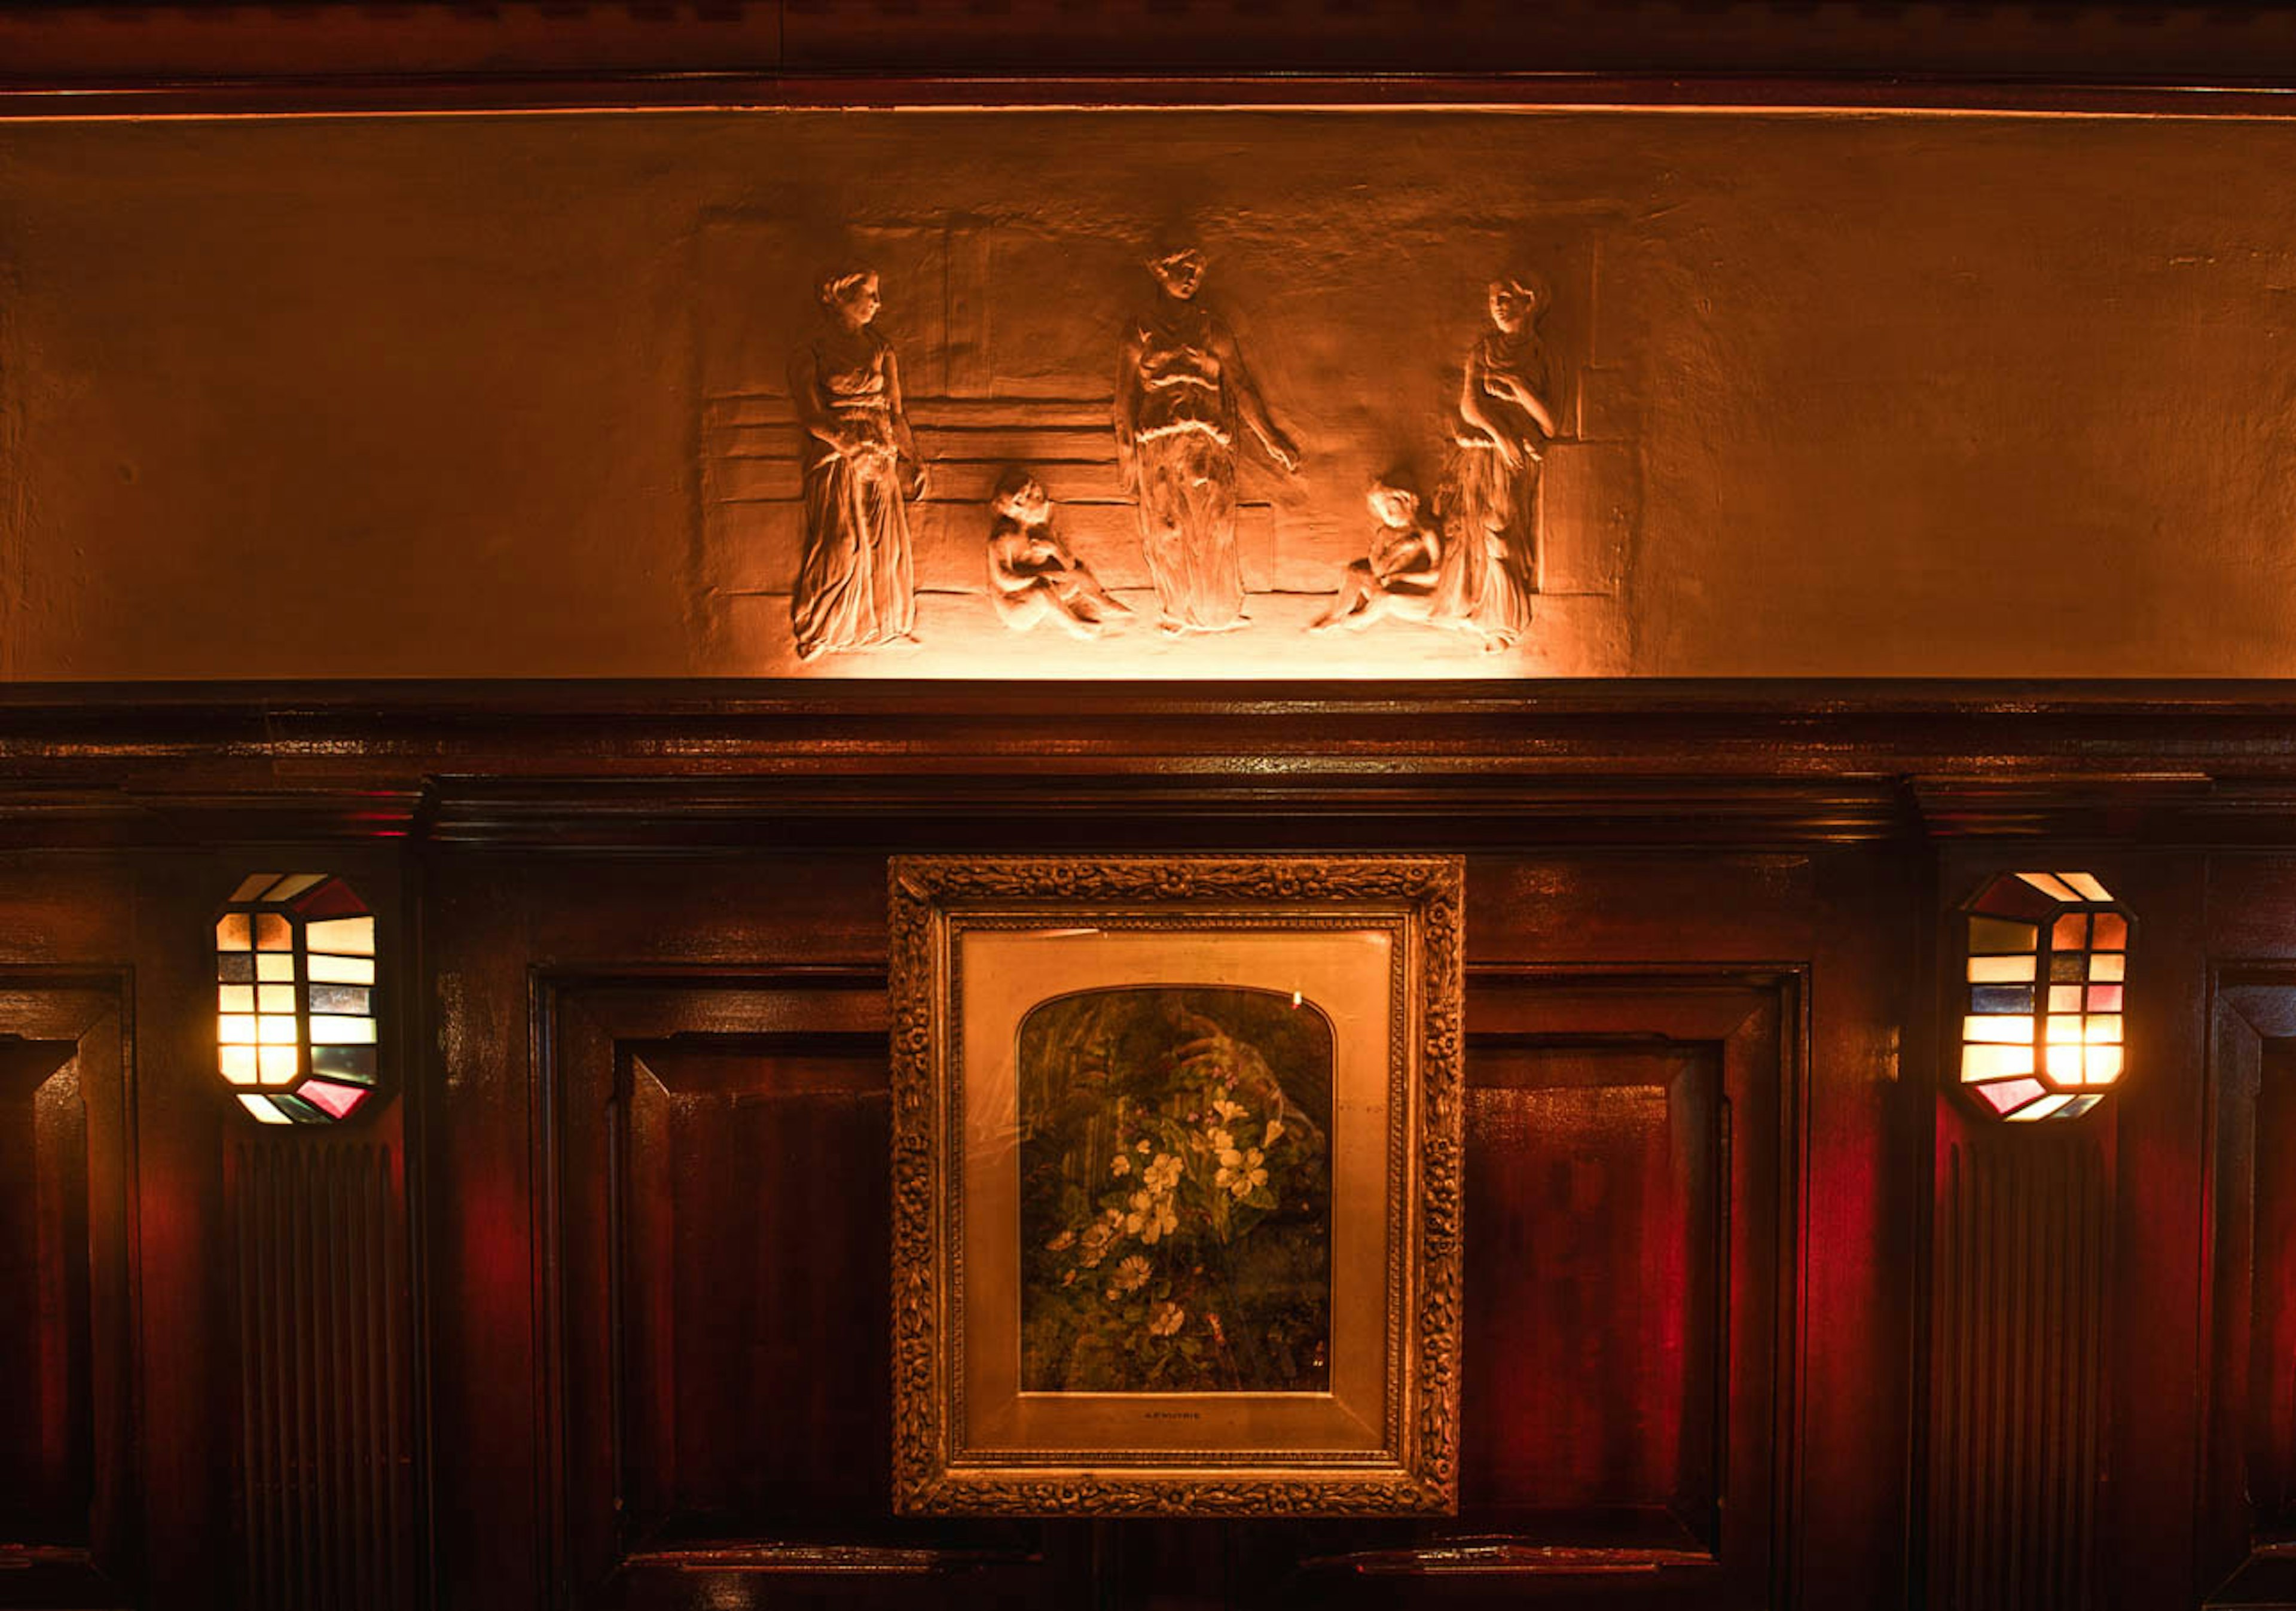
pixel 1397 577
pixel 1032 573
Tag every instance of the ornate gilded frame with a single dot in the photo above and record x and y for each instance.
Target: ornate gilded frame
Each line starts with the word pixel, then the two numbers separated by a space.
pixel 1411 1464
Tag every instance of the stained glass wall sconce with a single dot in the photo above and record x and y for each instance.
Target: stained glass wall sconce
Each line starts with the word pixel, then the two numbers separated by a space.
pixel 295 1025
pixel 2044 971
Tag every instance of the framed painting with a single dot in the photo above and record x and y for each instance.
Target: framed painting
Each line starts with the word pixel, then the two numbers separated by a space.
pixel 1176 1185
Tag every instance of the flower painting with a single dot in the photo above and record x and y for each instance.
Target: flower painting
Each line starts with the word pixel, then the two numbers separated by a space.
pixel 1176 1184
pixel 1176 1201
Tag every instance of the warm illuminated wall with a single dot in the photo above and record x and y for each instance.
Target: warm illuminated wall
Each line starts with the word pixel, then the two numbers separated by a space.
pixel 1886 394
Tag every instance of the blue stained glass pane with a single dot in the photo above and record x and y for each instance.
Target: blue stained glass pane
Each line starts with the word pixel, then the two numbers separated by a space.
pixel 2001 999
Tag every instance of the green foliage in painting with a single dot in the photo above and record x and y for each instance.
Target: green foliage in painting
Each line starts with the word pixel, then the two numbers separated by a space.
pixel 1175 1192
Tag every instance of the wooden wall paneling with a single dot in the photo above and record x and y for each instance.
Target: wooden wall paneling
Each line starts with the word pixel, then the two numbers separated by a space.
pixel 485 1415
pixel 2160 1229
pixel 722 1301
pixel 2064 1305
pixel 68 1532
pixel 1630 1264
pixel 327 1464
pixel 501 928
pixel 1863 1176
pixel 2248 1505
pixel 281 1364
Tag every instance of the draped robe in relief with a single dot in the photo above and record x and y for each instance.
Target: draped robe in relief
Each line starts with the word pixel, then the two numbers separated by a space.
pixel 857 585
pixel 1184 457
pixel 1487 508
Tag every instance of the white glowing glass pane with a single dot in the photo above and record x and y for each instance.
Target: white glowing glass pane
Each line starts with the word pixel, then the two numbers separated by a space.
pixel 239 1065
pixel 2086 886
pixel 1977 1027
pixel 2064 1030
pixel 274 965
pixel 2000 970
pixel 328 1029
pixel 345 936
pixel 2105 966
pixel 2104 1029
pixel 2064 998
pixel 235 1029
pixel 294 885
pixel 234 997
pixel 253 886
pixel 261 1107
pixel 2051 886
pixel 2041 1109
pixel 2103 1064
pixel 323 969
pixel 280 1064
pixel 1996 1061
pixel 2065 1064
pixel 276 998
pixel 276 1031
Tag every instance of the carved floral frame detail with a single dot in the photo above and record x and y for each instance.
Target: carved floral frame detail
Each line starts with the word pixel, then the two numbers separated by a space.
pixel 1419 899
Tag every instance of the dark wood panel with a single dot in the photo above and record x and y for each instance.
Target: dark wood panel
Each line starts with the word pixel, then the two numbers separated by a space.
pixel 325 1468
pixel 68 1479
pixel 2272 1304
pixel 2020 1404
pixel 1592 1338
pixel 2247 1501
pixel 720 1307
pixel 1630 1156
pixel 755 1353
pixel 46 1419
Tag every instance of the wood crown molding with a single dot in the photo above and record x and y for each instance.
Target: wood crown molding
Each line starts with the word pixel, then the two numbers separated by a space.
pixel 723 764
pixel 90 59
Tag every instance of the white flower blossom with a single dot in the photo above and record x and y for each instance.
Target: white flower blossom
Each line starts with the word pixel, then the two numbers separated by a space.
pixel 1239 1171
pixel 1163 1174
pixel 1168 1319
pixel 1132 1273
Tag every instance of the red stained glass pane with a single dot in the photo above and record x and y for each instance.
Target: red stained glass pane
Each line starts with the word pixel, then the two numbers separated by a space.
pixel 2072 933
pixel 2105 998
pixel 339 1100
pixel 2112 931
pixel 2007 1095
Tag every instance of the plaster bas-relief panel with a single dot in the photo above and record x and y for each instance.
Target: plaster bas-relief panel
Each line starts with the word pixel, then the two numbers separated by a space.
pixel 1833 394
pixel 1194 412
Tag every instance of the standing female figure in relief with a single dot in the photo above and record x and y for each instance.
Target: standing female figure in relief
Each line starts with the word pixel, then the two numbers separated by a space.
pixel 857 585
pixel 1488 503
pixel 1182 387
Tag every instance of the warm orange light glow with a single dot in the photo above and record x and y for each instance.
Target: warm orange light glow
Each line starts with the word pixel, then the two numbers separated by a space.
pixel 2046 953
pixel 295 972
